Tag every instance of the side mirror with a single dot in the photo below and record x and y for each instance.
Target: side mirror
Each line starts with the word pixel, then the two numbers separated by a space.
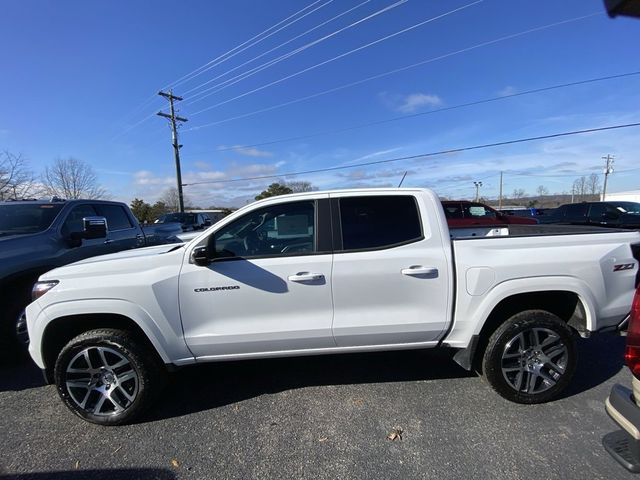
pixel 94 227
pixel 200 256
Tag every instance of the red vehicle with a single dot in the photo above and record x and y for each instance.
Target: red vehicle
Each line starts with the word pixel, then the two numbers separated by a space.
pixel 462 213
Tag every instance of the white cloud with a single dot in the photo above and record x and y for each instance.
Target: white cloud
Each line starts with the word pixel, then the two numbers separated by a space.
pixel 508 90
pixel 410 103
pixel 252 151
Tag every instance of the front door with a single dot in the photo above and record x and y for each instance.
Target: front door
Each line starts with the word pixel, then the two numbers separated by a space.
pixel 268 288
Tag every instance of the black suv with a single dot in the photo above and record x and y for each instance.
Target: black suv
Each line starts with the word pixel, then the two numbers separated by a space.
pixel 604 214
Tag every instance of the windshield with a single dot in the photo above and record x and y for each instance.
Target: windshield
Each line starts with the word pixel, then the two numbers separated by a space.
pixel 628 207
pixel 176 218
pixel 22 218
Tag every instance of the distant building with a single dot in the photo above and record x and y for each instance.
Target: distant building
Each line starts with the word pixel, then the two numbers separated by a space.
pixel 630 196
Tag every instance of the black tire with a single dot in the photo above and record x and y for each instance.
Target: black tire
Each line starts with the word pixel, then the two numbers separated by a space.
pixel 12 350
pixel 122 376
pixel 522 372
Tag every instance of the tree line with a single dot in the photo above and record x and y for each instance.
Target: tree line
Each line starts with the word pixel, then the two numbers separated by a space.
pixel 67 178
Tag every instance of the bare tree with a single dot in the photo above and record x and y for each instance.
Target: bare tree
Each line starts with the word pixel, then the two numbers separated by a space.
pixel 580 187
pixel 298 186
pixel 72 178
pixel 593 185
pixel 518 193
pixel 16 180
pixel 171 199
pixel 542 191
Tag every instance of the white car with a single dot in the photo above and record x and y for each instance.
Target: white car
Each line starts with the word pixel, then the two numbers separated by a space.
pixel 330 272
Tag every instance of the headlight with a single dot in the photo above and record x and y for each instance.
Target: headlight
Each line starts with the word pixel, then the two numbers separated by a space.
pixel 40 288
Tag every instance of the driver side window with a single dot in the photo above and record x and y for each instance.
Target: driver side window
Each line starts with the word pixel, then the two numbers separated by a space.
pixel 73 223
pixel 277 230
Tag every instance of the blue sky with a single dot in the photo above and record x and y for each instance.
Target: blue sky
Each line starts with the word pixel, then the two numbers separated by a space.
pixel 79 80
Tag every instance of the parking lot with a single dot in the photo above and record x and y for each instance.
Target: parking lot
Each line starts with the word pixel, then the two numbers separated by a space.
pixel 322 417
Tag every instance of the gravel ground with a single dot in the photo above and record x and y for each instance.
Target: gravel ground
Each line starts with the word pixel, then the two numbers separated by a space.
pixel 322 417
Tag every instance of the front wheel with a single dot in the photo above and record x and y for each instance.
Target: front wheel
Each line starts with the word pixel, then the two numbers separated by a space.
pixel 530 358
pixel 107 377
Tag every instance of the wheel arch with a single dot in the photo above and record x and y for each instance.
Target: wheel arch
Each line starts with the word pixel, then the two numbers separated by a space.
pixel 569 302
pixel 61 330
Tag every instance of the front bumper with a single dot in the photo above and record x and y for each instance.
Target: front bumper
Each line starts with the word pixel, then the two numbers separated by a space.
pixel 624 445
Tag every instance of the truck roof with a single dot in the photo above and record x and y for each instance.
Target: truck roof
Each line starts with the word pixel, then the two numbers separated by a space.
pixel 54 201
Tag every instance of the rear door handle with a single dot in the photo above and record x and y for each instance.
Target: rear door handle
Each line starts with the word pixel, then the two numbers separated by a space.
pixel 419 270
pixel 306 277
pixel 107 242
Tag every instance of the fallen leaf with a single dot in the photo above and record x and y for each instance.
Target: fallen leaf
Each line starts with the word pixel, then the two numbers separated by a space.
pixel 323 439
pixel 358 402
pixel 117 449
pixel 395 434
pixel 77 464
pixel 175 463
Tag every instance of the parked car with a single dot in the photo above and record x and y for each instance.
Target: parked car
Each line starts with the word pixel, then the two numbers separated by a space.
pixel 36 236
pixel 623 404
pixel 329 272
pixel 188 221
pixel 461 213
pixel 604 214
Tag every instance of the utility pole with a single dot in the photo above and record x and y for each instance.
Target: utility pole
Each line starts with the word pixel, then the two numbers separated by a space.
pixel 500 196
pixel 174 119
pixel 608 169
pixel 478 185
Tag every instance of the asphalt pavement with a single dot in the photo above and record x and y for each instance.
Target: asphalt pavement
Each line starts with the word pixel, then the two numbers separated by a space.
pixel 322 417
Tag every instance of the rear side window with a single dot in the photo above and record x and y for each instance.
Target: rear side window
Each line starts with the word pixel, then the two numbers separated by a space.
pixel 379 222
pixel 576 212
pixel 477 210
pixel 452 210
pixel 117 218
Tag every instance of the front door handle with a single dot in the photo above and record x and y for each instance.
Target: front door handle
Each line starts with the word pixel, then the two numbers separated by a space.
pixel 108 242
pixel 306 277
pixel 419 270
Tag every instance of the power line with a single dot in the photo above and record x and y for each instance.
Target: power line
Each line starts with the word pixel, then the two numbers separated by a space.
pixel 220 59
pixel 276 48
pixel 420 114
pixel 425 155
pixel 242 76
pixel 312 67
pixel 398 70
pixel 232 53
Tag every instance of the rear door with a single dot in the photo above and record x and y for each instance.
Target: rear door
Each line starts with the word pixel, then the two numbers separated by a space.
pixel 390 274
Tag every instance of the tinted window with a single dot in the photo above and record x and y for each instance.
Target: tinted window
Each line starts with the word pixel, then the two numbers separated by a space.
pixel 117 218
pixel 73 223
pixel 452 210
pixel 477 210
pixel 21 218
pixel 378 222
pixel 576 212
pixel 285 229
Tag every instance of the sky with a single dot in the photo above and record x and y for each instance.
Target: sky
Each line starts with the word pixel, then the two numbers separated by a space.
pixel 275 87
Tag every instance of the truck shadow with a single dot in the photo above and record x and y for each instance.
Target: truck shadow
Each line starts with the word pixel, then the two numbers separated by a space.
pixel 208 386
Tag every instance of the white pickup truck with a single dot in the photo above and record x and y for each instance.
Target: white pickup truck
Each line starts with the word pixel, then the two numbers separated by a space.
pixel 330 272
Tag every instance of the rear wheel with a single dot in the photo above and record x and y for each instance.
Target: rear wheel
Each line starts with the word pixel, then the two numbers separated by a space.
pixel 530 358
pixel 107 377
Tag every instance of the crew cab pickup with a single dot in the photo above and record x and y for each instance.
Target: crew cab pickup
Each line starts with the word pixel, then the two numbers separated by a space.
pixel 329 272
pixel 37 236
